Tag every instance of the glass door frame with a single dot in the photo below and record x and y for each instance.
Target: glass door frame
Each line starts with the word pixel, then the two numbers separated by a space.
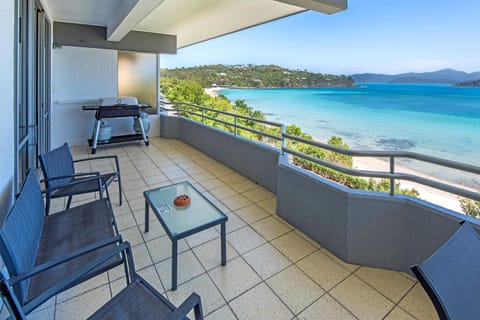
pixel 43 56
pixel 22 48
pixel 32 86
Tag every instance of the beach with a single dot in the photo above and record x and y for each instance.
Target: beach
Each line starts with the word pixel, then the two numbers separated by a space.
pixel 439 197
pixel 213 91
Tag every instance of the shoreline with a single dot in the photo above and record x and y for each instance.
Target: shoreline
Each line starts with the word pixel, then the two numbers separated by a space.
pixel 435 196
pixel 213 91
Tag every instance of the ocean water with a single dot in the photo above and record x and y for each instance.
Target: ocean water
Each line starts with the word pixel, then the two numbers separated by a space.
pixel 433 119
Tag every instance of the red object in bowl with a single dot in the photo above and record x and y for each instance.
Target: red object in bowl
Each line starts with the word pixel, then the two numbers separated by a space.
pixel 182 200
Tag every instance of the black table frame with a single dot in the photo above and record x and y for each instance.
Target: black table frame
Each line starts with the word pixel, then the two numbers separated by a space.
pixel 178 236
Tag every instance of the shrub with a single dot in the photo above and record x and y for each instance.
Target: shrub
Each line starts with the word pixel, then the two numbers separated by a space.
pixel 470 207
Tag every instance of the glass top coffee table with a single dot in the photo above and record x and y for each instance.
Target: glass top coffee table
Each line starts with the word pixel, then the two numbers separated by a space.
pixel 181 222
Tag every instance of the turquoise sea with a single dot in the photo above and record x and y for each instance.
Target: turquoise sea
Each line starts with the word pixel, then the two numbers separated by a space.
pixel 433 119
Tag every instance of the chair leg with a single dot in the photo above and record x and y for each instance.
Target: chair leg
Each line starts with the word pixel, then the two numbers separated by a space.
pixel 119 189
pixel 125 268
pixel 198 311
pixel 47 205
pixel 69 202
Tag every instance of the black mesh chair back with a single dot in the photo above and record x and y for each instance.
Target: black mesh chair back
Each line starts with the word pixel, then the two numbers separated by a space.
pixel 61 180
pixel 19 249
pixel 451 276
pixel 57 163
pixel 42 252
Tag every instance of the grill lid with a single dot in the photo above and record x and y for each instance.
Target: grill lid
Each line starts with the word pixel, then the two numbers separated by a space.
pixel 111 101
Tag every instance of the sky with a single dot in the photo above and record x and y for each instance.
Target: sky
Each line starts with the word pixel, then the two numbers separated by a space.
pixel 378 36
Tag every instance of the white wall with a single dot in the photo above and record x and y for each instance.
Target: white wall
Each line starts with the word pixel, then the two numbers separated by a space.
pixel 6 104
pixel 81 76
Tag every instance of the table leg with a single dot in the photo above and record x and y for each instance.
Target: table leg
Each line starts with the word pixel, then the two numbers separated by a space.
pixel 174 265
pixel 147 215
pixel 223 239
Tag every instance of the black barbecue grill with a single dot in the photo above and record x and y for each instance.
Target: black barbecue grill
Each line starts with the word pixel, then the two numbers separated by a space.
pixel 116 107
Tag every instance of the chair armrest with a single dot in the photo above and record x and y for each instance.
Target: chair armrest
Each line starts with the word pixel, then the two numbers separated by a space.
pixel 68 257
pixel 81 174
pixel 192 302
pixel 96 158
pixel 61 286
pixel 115 157
pixel 87 174
pixel 101 183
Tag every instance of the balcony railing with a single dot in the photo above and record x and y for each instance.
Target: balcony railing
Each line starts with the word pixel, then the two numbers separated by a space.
pixel 391 175
pixel 201 114
pixel 233 123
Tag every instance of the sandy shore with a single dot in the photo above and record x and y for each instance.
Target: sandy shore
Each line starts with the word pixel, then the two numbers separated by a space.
pixel 435 196
pixel 213 91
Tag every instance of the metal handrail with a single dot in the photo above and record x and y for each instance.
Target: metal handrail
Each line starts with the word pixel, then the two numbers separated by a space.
pixel 275 124
pixel 235 116
pixel 385 154
pixel 392 155
pixel 392 175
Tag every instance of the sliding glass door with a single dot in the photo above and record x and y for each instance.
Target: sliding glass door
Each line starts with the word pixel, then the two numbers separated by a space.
pixel 22 134
pixel 32 90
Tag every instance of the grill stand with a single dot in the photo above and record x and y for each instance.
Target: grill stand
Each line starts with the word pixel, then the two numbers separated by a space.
pixel 116 111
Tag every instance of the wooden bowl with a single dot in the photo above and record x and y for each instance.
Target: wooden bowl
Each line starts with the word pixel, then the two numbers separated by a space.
pixel 182 200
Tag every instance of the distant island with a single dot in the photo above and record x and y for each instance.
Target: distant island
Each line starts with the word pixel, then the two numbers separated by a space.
pixel 273 76
pixel 257 76
pixel 447 76
pixel 474 83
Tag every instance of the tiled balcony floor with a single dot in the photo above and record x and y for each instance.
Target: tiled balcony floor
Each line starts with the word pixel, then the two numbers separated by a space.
pixel 273 271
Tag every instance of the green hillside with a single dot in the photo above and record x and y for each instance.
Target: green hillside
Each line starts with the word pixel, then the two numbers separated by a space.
pixel 252 76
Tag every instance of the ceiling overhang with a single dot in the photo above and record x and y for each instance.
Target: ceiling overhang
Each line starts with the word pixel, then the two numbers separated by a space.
pixel 82 35
pixel 191 21
pixel 325 6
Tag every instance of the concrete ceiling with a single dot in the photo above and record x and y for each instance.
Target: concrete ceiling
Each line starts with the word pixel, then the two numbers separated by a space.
pixel 192 21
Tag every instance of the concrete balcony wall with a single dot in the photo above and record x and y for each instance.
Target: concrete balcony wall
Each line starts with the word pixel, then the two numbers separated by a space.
pixel 315 206
pixel 395 232
pixel 255 161
pixel 365 228
pixel 169 126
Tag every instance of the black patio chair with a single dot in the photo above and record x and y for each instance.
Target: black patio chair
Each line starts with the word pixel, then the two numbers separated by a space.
pixel 451 276
pixel 42 252
pixel 138 300
pixel 58 169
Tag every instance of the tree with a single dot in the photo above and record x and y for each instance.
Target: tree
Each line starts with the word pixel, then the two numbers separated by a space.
pixel 256 76
pixel 470 207
pixel 338 158
pixel 186 90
